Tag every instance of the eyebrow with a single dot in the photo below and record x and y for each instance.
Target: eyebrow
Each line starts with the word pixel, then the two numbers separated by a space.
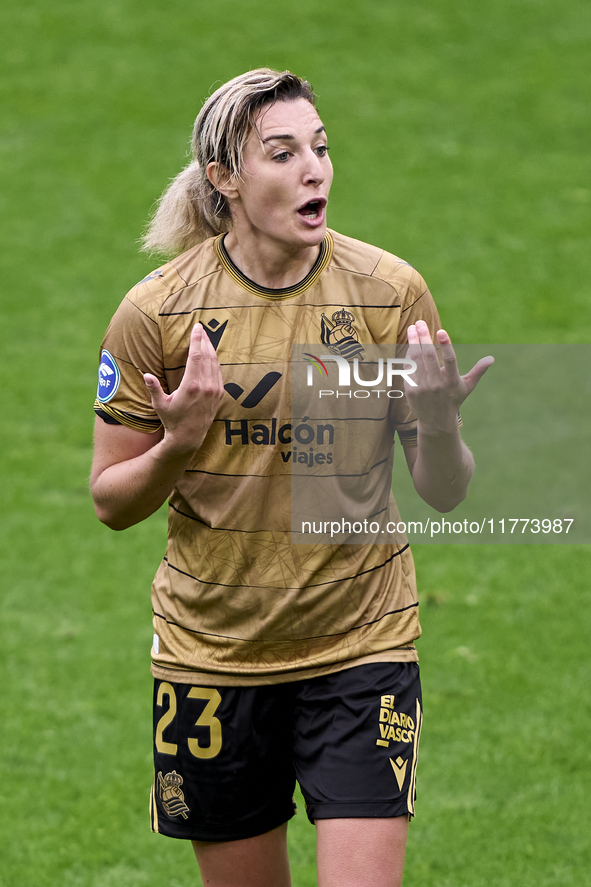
pixel 287 137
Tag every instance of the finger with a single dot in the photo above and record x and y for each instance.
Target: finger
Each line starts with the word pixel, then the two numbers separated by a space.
pixel 423 332
pixel 450 362
pixel 211 373
pixel 416 353
pixel 414 350
pixel 418 334
pixel 472 378
pixel 157 395
pixel 200 342
pixel 412 335
pixel 198 356
pixel 202 372
pixel 195 349
pixel 428 350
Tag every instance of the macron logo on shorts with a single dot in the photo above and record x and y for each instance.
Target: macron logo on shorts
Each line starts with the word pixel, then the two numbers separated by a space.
pixel 108 377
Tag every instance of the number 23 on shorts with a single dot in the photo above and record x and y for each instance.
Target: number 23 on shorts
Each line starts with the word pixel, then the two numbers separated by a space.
pixel 206 719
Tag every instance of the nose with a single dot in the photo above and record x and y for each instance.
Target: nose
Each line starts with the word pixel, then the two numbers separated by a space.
pixel 315 169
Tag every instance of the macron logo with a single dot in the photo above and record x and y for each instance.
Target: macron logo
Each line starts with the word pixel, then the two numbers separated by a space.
pixel 258 392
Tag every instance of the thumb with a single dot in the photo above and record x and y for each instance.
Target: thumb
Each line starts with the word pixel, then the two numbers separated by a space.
pixel 477 372
pixel 155 388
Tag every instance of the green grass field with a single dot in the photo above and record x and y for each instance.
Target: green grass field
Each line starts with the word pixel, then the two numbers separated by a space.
pixel 459 132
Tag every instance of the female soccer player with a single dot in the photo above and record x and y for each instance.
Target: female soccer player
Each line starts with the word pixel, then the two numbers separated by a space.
pixel 272 662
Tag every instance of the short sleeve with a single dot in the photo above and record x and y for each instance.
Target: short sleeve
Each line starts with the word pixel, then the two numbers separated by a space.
pixel 411 301
pixel 418 305
pixel 130 348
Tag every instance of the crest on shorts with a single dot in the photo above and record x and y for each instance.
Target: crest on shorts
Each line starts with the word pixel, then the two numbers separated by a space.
pixel 340 336
pixel 171 795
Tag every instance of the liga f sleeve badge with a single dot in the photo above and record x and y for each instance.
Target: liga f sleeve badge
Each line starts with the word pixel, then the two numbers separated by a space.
pixel 108 377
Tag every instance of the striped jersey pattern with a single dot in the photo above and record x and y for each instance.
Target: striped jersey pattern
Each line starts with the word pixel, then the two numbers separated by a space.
pixel 234 600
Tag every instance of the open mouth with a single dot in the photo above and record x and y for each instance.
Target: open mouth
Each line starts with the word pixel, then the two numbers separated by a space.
pixel 312 209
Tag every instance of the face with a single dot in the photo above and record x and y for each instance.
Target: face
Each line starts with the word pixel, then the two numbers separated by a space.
pixel 286 178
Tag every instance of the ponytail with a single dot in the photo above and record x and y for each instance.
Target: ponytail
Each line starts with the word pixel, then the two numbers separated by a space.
pixel 189 211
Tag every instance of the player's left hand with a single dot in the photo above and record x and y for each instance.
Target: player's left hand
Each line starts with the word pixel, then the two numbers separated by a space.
pixel 439 390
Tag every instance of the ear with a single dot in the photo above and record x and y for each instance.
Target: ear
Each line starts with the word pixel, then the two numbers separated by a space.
pixel 220 178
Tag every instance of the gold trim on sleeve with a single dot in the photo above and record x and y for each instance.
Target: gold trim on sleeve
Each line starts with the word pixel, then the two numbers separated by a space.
pixel 138 423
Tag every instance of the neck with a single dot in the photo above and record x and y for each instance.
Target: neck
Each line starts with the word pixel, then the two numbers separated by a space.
pixel 273 266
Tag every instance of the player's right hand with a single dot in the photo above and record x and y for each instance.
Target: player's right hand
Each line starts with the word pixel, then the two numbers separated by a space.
pixel 188 412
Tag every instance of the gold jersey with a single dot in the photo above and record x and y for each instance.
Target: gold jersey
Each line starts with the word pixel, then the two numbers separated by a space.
pixel 234 600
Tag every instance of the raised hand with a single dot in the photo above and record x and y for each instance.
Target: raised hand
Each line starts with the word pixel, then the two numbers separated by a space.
pixel 439 390
pixel 188 412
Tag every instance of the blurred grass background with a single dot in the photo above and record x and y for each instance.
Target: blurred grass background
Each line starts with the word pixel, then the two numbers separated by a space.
pixel 459 132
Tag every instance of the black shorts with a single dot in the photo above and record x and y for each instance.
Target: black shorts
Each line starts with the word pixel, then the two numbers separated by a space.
pixel 227 759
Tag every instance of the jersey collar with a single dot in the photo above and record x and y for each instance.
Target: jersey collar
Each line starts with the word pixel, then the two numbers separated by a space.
pixel 324 257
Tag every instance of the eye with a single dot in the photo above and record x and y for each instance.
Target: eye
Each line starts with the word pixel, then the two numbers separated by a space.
pixel 282 157
pixel 322 150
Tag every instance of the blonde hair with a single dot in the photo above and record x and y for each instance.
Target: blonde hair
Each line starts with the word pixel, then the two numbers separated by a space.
pixel 191 209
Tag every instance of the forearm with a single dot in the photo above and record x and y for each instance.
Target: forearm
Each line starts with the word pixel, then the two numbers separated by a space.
pixel 443 468
pixel 127 492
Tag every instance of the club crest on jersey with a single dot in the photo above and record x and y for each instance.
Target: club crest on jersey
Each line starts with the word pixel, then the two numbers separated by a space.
pixel 340 336
pixel 171 795
pixel 108 377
